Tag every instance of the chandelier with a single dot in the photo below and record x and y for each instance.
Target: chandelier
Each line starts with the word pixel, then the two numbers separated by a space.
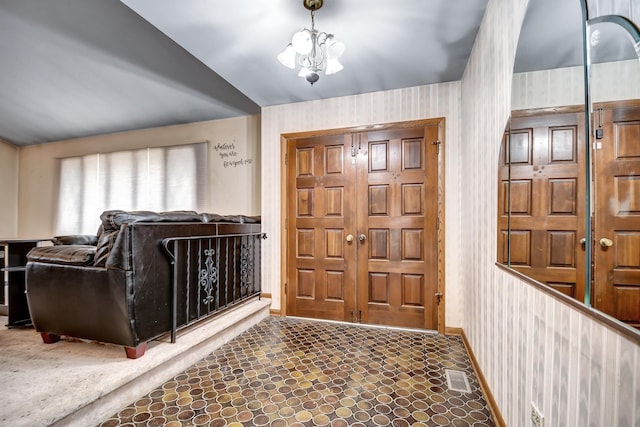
pixel 313 51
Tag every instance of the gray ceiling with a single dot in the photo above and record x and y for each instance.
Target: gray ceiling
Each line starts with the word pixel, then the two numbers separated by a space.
pixel 75 68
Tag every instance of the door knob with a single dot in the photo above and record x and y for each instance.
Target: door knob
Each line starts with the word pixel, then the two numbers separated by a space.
pixel 583 241
pixel 362 237
pixel 350 238
pixel 605 243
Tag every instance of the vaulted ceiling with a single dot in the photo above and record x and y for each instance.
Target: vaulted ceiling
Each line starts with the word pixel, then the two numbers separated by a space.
pixel 75 68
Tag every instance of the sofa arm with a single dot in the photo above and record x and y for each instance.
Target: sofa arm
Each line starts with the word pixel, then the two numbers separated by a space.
pixel 81 255
pixel 76 239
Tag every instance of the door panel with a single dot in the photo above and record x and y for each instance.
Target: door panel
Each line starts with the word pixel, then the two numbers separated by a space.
pixel 321 269
pixel 399 227
pixel 362 227
pixel 546 198
pixel 617 188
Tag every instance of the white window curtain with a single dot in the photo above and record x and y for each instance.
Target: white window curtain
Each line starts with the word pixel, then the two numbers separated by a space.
pixel 156 179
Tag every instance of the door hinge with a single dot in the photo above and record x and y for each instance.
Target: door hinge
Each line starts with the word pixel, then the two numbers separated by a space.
pixel 437 144
pixel 285 289
pixel 438 297
pixel 437 223
pixel 285 159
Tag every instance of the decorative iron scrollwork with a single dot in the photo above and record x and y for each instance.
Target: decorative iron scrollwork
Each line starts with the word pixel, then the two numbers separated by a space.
pixel 208 276
pixel 246 266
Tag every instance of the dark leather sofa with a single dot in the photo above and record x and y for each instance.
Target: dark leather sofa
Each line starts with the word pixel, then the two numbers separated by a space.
pixel 115 287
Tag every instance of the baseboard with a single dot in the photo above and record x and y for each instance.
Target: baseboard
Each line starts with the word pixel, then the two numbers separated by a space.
pixel 265 295
pixel 486 391
pixel 453 331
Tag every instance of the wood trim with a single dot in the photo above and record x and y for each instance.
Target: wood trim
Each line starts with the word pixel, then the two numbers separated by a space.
pixel 366 128
pixel 275 312
pixel 536 111
pixel 441 225
pixel 484 386
pixel 283 225
pixel 630 103
pixel 440 121
pixel 265 295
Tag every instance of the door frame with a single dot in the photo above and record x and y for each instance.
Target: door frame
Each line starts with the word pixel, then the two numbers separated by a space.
pixel 287 138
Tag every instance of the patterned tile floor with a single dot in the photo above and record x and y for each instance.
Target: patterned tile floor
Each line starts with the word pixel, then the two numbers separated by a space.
pixel 295 372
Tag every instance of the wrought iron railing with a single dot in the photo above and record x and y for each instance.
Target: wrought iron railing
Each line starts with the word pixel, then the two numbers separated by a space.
pixel 211 274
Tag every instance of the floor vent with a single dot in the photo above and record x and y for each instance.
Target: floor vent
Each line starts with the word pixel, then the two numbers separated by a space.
pixel 457 381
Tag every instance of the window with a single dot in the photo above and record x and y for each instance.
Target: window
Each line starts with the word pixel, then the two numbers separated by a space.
pixel 155 179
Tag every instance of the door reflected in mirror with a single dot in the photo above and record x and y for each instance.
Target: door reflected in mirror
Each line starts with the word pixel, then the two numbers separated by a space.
pixel 569 198
pixel 546 166
pixel 615 75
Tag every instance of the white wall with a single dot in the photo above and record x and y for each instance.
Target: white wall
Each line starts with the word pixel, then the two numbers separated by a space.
pixel 423 102
pixel 8 190
pixel 530 346
pixel 232 189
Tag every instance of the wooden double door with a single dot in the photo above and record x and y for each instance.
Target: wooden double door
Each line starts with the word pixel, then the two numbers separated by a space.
pixel 362 226
pixel 543 188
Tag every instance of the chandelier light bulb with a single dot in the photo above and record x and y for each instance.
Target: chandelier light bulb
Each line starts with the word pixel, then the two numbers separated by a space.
pixel 302 42
pixel 335 48
pixel 333 66
pixel 304 71
pixel 288 57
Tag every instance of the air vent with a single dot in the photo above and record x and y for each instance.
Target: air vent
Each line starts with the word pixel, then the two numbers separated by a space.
pixel 457 381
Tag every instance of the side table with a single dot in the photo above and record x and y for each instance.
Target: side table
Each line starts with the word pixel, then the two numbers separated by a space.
pixel 13 261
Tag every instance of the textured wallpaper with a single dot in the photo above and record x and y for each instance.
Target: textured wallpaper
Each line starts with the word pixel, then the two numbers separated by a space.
pixel 565 86
pixel 531 347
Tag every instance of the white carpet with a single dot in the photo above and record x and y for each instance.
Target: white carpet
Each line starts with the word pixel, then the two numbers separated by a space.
pixel 82 383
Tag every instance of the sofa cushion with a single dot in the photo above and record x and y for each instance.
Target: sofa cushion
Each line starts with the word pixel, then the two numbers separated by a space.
pixel 104 246
pixel 63 254
pixel 112 220
pixel 76 239
pixel 242 219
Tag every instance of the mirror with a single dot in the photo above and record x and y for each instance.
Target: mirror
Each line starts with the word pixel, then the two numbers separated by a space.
pixel 542 173
pixel 569 216
pixel 614 69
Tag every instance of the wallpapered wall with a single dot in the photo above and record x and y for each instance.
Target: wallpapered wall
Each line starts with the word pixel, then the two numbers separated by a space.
pixel 610 81
pixel 441 100
pixel 230 141
pixel 531 347
pixel 9 189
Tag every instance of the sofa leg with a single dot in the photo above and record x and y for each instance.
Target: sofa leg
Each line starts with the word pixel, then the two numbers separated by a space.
pixel 135 352
pixel 49 338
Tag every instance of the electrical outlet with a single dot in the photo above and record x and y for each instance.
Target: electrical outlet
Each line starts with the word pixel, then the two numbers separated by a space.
pixel 537 420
